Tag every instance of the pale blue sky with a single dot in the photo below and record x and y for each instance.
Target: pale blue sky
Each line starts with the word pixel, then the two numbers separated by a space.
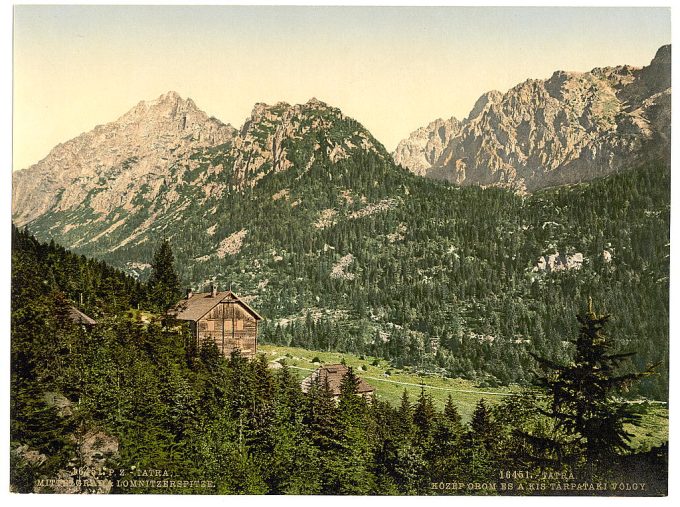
pixel 393 69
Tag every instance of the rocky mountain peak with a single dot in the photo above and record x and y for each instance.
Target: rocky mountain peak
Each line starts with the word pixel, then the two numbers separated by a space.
pixel 166 154
pixel 662 56
pixel 169 105
pixel 423 147
pixel 316 103
pixel 491 97
pixel 657 76
pixel 570 127
pixel 139 148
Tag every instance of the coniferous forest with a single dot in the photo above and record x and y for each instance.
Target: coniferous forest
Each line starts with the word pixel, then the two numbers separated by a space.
pixel 132 405
pixel 362 256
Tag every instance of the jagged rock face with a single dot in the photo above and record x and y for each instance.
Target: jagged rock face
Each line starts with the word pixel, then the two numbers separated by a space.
pixel 569 128
pixel 420 151
pixel 264 142
pixel 107 188
pixel 108 165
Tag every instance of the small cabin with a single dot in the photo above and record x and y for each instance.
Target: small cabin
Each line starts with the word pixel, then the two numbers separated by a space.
pixel 333 374
pixel 222 317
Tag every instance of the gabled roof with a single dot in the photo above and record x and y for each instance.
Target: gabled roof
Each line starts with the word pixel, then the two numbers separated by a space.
pixel 202 302
pixel 333 373
pixel 79 317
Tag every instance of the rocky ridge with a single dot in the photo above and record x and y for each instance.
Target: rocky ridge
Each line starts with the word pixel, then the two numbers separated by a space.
pixel 107 188
pixel 420 151
pixel 105 167
pixel 565 129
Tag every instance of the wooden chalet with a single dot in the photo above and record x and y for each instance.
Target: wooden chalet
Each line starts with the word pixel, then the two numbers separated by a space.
pixel 333 374
pixel 221 317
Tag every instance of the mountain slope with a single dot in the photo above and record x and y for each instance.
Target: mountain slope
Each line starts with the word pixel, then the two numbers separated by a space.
pixel 105 189
pixel 569 128
pixel 306 215
pixel 105 168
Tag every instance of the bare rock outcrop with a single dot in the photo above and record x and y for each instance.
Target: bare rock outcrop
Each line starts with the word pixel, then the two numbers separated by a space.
pixel 551 263
pixel 108 166
pixel 571 127
pixel 420 151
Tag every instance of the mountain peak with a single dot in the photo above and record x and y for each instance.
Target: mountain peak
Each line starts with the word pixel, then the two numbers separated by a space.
pixel 139 148
pixel 663 54
pixel 170 96
pixel 314 102
pixel 570 127
pixel 171 99
pixel 490 97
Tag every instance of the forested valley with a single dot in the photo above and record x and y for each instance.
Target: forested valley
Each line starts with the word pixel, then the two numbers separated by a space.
pixel 130 405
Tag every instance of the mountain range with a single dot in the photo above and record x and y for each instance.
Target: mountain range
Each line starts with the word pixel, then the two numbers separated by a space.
pixel 571 127
pixel 304 213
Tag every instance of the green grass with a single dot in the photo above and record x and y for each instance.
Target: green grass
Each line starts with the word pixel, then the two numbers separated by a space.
pixel 653 428
pixel 391 387
pixel 142 316
pixel 652 431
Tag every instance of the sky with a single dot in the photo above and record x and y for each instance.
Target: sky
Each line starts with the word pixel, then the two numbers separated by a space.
pixel 393 69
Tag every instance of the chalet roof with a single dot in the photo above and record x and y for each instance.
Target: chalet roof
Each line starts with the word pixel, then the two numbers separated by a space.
pixel 79 317
pixel 333 373
pixel 201 303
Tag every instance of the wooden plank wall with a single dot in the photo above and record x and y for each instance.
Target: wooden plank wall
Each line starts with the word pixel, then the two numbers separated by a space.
pixel 231 327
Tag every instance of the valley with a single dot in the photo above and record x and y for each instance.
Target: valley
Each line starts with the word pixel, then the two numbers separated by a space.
pixel 306 215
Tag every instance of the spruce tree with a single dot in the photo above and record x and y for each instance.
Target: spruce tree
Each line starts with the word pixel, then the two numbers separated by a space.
pixel 405 417
pixel 351 465
pixel 582 393
pixel 482 425
pixel 164 287
pixel 451 414
pixel 423 417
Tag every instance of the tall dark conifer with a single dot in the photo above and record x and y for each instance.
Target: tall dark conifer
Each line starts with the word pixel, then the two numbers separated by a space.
pixel 423 417
pixel 164 287
pixel 582 392
pixel 405 416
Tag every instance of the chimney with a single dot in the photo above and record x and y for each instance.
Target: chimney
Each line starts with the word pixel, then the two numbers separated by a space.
pixel 213 290
pixel 189 293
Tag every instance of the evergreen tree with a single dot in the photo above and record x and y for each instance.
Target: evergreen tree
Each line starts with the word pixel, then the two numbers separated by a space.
pixel 482 425
pixel 405 416
pixel 451 414
pixel 320 415
pixel 423 417
pixel 351 464
pixel 582 392
pixel 164 287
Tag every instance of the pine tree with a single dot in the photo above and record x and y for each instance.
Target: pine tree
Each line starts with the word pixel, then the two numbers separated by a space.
pixel 405 417
pixel 423 417
pixel 350 466
pixel 582 392
pixel 481 424
pixel 164 287
pixel 351 407
pixel 320 415
pixel 451 414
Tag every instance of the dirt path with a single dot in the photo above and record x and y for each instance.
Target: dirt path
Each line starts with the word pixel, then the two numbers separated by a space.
pixel 470 391
pixel 451 389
